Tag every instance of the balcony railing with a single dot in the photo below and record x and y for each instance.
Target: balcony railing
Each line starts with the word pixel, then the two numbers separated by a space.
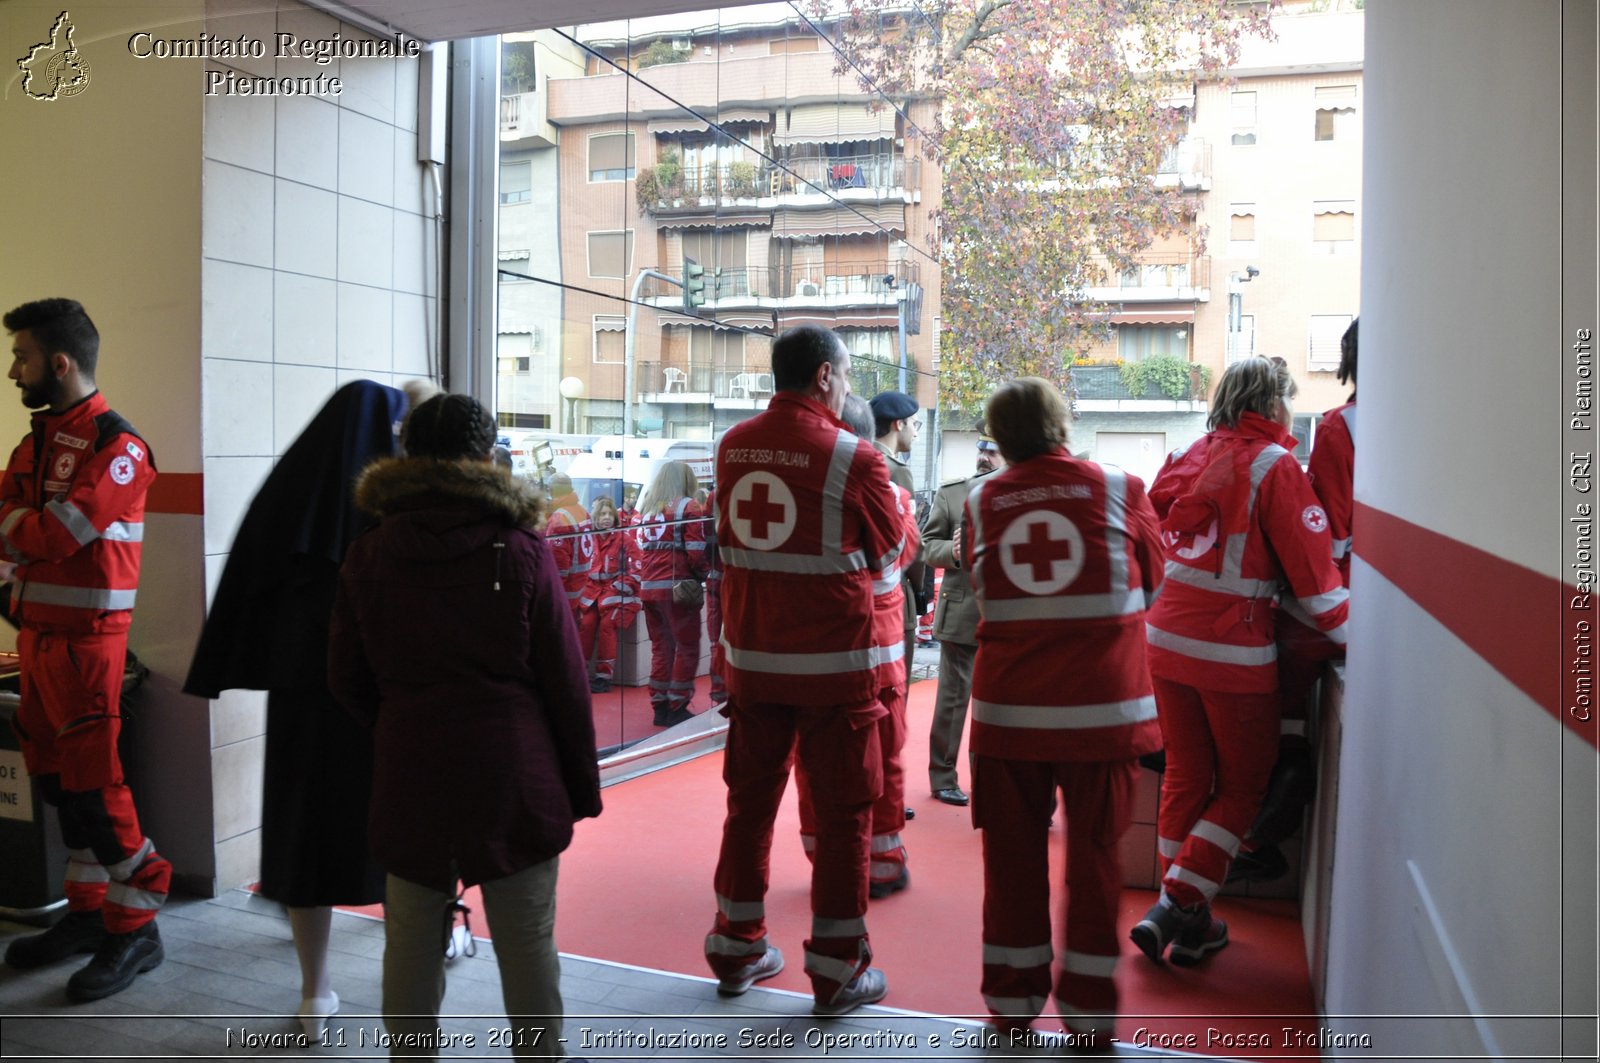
pixel 1187 164
pixel 750 380
pixel 510 112
pixel 675 189
pixel 878 283
pixel 1103 382
pixel 1157 275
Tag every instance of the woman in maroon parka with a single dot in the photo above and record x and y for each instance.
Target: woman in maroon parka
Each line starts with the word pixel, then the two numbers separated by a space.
pixel 452 638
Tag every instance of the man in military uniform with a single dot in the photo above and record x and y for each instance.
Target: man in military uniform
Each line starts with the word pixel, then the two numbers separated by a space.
pixel 894 414
pixel 955 625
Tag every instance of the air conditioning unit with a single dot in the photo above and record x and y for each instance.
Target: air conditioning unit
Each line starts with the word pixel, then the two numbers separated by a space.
pixel 682 44
pixel 807 288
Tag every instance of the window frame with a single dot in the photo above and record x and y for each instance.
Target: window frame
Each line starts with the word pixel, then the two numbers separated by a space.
pixel 630 151
pixel 627 253
pixel 594 338
pixel 1326 363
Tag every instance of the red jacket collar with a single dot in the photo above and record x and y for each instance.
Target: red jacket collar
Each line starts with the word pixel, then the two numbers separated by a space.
pixel 796 404
pixel 1254 426
pixel 91 405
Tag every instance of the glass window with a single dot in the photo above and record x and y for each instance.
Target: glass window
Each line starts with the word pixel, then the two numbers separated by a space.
pixel 1322 345
pixel 1243 113
pixel 1242 222
pixel 516 182
pixel 1135 343
pixel 610 340
pixel 611 253
pixel 1333 225
pixel 611 157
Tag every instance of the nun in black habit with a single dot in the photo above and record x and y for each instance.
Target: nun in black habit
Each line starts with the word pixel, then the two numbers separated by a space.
pixel 267 629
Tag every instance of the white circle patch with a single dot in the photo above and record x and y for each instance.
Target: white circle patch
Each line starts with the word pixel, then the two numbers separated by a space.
pixel 1042 552
pixel 65 464
pixel 762 510
pixel 1314 518
pixel 122 469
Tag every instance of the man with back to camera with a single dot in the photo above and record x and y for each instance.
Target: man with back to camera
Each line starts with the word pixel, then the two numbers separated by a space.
pixel 71 523
pixel 806 523
pixel 955 624
pixel 894 415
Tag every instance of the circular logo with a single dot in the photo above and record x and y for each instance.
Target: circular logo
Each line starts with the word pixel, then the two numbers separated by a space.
pixel 1042 552
pixel 762 510
pixel 1314 518
pixel 65 464
pixel 67 73
pixel 122 469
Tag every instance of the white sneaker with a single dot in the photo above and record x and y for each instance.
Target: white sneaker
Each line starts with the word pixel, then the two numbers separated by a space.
pixel 770 963
pixel 314 1013
pixel 868 987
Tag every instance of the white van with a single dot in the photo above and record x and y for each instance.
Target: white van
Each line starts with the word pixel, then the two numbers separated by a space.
pixel 538 455
pixel 615 463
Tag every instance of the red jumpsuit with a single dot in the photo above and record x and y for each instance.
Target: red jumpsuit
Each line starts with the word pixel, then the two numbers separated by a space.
pixel 1241 525
pixel 1065 557
pixel 889 811
pixel 672 546
pixel 719 685
pixel 72 518
pixel 568 532
pixel 610 599
pixel 805 521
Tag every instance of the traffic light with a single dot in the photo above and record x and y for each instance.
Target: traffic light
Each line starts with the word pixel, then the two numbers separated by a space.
pixel 694 285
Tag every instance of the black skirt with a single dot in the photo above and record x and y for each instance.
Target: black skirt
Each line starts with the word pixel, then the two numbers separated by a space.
pixel 314 819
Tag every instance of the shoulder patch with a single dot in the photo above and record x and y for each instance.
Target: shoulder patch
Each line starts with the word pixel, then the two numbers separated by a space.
pixel 122 469
pixel 1314 518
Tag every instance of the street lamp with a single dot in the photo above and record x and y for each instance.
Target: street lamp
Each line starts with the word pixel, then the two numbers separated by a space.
pixel 571 389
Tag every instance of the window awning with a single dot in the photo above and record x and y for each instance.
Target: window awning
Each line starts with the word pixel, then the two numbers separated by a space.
pixel 1148 317
pixel 688 123
pixel 754 219
pixel 830 319
pixel 854 220
pixel 611 324
pixel 835 123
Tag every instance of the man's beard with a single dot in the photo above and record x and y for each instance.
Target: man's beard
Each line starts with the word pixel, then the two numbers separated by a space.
pixel 43 394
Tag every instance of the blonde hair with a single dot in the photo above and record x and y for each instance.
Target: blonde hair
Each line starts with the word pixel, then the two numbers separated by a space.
pixel 601 504
pixel 1252 385
pixel 673 481
pixel 1026 417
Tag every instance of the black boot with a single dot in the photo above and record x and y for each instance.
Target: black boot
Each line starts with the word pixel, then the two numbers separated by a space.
pixel 78 932
pixel 121 959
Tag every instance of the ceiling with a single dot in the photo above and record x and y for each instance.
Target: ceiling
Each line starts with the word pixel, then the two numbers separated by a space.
pixel 443 20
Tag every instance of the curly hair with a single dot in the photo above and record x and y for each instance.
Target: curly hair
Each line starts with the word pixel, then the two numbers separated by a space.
pixel 1253 385
pixel 449 428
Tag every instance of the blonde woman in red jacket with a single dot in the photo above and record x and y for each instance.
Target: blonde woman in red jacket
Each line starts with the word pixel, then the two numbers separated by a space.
pixel 1242 529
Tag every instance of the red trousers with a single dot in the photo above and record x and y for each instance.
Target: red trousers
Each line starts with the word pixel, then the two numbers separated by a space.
pixel 1011 804
pixel 674 651
pixel 719 686
pixel 67 723
pixel 598 635
pixel 888 811
pixel 838 748
pixel 1220 752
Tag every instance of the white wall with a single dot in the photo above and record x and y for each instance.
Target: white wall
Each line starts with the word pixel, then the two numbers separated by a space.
pixel 319 253
pixel 1447 883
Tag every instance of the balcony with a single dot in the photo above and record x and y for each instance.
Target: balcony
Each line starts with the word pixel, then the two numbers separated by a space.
pixel 523 122
pixel 1104 389
pixel 699 383
pixel 670 190
pixel 1159 277
pixel 1187 166
pixel 830 286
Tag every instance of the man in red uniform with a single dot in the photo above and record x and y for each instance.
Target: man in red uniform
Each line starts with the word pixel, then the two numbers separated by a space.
pixel 806 523
pixel 1065 556
pixel 568 530
pixel 71 523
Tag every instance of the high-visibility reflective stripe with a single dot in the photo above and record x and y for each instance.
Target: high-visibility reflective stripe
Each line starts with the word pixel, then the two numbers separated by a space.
pixel 1319 604
pixel 808 842
pixel 810 663
pixel 72 518
pixel 1018 956
pixel 573 596
pixel 892 557
pixel 1233 552
pixel 1207 888
pixel 124 896
pixel 741 911
pixel 886 843
pixel 799 564
pixel 1065 717
pixel 12 518
pixel 1341 547
pixel 974 505
pixel 1169 847
pixel 82 866
pixel 830 967
pixel 1210 651
pixel 1178 572
pixel 1086 1021
pixel 1016 1007
pixel 75 597
pixel 722 945
pixel 886 582
pixel 1340 634
pixel 1219 836
pixel 1065 607
pixel 884 870
pixel 833 487
pixel 1117 527
pixel 124 532
pixel 657 584
pixel 1086 963
pixel 838 928
pixel 121 871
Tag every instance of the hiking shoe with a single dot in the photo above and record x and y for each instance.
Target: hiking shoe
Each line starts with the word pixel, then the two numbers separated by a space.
pixel 770 963
pixel 600 685
pixel 868 987
pixel 1158 928
pixel 118 961
pixel 1200 935
pixel 879 890
pixel 1262 864
pixel 78 932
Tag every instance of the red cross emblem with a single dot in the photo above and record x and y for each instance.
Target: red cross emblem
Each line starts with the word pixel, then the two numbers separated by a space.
pixel 1042 552
pixel 762 510
pixel 1315 519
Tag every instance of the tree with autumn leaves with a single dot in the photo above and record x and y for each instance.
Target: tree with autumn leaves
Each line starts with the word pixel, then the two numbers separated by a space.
pixel 1054 118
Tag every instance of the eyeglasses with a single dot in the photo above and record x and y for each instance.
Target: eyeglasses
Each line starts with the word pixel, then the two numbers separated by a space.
pixel 917 424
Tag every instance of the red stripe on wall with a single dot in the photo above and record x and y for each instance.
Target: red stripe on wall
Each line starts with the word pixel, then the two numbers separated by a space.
pixel 177 492
pixel 1511 616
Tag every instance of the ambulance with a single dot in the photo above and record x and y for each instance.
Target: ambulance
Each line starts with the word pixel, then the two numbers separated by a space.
pixel 617 465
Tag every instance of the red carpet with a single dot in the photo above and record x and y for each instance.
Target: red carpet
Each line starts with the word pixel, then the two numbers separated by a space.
pixel 636 888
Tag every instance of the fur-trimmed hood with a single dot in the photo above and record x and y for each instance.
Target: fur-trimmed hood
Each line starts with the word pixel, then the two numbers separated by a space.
pixel 391 485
